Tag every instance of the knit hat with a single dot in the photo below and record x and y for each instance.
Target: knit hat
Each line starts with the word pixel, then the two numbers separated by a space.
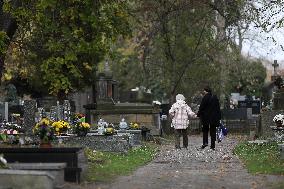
pixel 180 97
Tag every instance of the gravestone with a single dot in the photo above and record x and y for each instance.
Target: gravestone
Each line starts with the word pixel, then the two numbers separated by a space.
pixel 53 113
pixel 11 93
pixel 59 109
pixel 137 109
pixel 255 105
pixel 278 99
pixel 66 110
pixel 29 115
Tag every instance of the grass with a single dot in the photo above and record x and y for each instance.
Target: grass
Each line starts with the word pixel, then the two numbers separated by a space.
pixel 104 166
pixel 261 158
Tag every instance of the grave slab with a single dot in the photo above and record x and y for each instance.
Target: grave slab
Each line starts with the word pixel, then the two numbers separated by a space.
pixel 25 179
pixel 55 169
pixel 68 155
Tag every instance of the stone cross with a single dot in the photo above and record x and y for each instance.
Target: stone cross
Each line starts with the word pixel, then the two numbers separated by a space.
pixel 275 65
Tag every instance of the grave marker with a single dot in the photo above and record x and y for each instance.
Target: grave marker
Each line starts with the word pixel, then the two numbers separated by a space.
pixel 29 115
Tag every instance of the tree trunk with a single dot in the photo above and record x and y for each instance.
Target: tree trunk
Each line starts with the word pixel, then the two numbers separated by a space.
pixel 221 37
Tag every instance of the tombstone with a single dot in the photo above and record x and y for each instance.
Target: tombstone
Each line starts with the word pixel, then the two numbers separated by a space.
pixel 6 111
pixel 278 96
pixel 275 75
pixel 53 113
pixel 105 104
pixel 29 115
pixel 106 89
pixel 255 105
pixel 59 109
pixel 11 93
pixel 66 110
pixel 278 99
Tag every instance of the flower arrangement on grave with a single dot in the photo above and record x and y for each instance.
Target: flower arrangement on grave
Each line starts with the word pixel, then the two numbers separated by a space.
pixel 60 127
pixel 279 120
pixel 44 130
pixel 81 128
pixel 10 133
pixel 10 128
pixel 109 130
pixel 134 126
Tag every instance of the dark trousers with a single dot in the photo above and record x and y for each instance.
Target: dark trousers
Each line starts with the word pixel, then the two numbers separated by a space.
pixel 178 134
pixel 212 128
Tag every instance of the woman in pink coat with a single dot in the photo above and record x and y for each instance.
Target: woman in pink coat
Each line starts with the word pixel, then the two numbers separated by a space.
pixel 180 113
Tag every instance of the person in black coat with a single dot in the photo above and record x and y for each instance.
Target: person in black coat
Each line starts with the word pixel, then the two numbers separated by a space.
pixel 210 115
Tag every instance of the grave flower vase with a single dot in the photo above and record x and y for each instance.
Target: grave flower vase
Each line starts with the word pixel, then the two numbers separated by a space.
pixel 45 144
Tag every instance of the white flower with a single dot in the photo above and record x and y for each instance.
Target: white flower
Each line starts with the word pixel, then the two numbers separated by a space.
pixel 279 118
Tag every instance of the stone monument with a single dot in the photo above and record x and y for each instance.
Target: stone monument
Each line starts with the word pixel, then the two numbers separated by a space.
pixel 29 116
pixel 106 104
pixel 278 96
pixel 277 104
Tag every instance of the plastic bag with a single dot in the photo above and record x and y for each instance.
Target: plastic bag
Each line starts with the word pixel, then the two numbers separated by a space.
pixel 223 128
pixel 221 132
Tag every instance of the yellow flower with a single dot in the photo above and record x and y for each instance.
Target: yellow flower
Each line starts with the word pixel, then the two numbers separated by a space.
pixel 85 125
pixel 44 121
pixel 59 126
pixel 134 125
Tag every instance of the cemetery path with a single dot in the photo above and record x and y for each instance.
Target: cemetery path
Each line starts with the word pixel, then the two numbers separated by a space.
pixel 195 169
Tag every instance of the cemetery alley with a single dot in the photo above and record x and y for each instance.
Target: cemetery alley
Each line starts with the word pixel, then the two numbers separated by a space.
pixel 192 168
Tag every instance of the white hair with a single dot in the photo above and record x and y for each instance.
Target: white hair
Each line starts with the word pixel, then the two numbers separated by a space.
pixel 180 97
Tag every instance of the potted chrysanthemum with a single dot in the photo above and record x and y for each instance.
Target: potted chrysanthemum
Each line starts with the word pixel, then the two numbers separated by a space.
pixel 45 131
pixel 82 128
pixel 61 127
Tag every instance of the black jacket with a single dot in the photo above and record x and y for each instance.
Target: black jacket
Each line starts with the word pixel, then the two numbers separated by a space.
pixel 209 109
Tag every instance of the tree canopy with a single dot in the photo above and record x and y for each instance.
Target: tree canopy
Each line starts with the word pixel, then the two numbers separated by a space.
pixel 65 40
pixel 168 46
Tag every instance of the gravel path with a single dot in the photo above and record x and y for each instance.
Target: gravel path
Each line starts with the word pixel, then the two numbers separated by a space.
pixel 193 168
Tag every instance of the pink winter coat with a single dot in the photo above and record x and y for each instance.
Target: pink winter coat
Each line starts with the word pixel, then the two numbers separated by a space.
pixel 181 112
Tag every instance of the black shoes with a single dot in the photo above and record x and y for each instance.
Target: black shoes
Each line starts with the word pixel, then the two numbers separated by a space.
pixel 178 147
pixel 204 146
pixel 212 148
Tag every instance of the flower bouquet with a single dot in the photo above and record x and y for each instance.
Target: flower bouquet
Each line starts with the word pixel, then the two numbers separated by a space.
pixel 60 127
pixel 44 130
pixel 279 120
pixel 81 128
